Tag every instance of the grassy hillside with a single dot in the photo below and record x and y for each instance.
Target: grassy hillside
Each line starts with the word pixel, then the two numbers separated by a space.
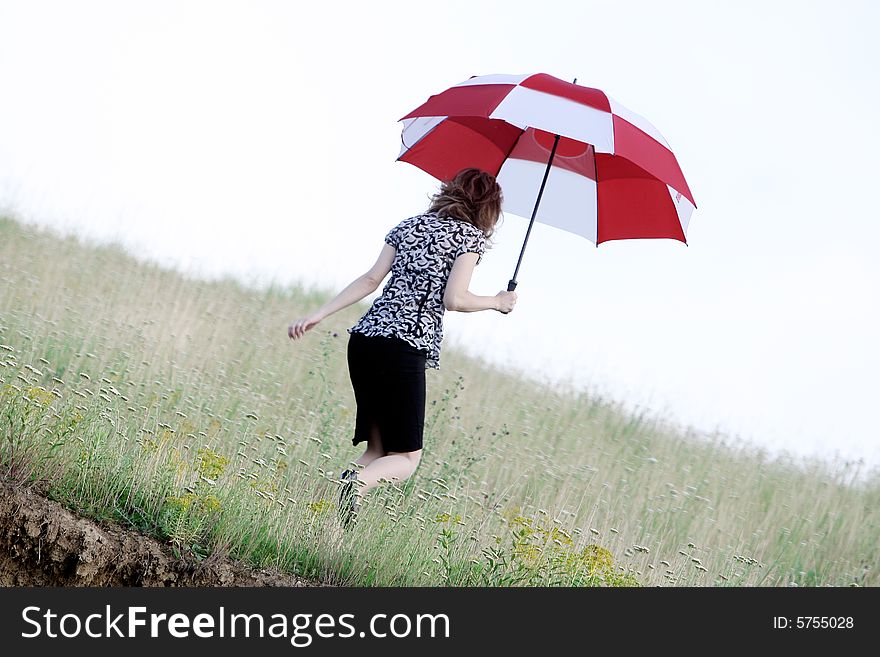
pixel 181 408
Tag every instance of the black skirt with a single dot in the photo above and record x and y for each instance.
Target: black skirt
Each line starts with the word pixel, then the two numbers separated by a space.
pixel 388 378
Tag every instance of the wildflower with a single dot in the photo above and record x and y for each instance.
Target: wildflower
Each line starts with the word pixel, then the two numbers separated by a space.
pixel 211 464
pixel 39 395
pixel 319 507
pixel 447 517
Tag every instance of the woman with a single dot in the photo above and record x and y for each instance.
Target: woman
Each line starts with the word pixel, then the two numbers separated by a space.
pixel 431 257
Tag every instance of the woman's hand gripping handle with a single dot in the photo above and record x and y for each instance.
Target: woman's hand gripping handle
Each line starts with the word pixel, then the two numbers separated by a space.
pixel 506 298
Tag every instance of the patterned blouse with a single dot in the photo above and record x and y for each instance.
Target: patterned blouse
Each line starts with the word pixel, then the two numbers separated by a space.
pixel 411 304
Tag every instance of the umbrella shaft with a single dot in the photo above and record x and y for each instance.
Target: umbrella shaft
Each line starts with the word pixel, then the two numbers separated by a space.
pixel 511 285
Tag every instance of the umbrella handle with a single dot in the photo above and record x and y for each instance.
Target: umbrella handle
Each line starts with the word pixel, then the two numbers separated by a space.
pixel 511 286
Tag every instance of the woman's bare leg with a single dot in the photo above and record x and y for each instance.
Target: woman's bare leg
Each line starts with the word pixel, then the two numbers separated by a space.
pixel 394 465
pixel 374 447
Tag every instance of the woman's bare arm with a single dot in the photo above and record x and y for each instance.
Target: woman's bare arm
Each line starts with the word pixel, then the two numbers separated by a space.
pixel 355 291
pixel 457 297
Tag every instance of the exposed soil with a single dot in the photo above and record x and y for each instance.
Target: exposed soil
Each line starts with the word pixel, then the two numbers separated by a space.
pixel 44 544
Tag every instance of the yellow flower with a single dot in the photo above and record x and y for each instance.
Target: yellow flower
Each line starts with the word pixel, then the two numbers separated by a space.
pixel 39 395
pixel 597 559
pixel 210 503
pixel 211 464
pixel 510 513
pixel 319 507
pixel 183 502
pixel 448 517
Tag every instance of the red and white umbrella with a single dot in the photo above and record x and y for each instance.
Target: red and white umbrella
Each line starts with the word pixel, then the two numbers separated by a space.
pixel 596 168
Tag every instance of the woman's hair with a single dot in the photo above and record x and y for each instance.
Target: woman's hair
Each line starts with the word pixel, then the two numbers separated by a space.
pixel 472 195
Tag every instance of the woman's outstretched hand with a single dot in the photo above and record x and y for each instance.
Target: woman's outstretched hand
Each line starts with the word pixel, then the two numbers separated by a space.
pixel 300 326
pixel 506 301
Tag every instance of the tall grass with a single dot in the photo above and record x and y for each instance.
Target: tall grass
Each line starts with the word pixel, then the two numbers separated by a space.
pixel 181 408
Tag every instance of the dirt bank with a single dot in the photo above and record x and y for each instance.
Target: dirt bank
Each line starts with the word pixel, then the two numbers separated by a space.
pixel 44 544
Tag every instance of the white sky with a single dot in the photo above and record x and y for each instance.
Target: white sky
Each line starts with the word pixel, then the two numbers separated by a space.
pixel 259 138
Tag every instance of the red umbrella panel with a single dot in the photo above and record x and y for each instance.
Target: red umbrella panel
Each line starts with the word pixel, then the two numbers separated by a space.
pixel 612 176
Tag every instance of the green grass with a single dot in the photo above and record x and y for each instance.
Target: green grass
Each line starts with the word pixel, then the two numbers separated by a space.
pixel 180 408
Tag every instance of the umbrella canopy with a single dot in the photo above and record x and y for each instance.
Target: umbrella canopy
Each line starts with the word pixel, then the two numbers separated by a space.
pixel 611 174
